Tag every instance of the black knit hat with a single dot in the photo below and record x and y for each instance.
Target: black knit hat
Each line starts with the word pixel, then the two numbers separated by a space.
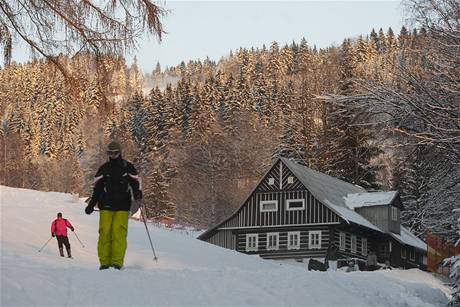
pixel 114 146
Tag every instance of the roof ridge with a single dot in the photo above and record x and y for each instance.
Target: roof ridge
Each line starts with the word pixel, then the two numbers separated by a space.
pixel 324 175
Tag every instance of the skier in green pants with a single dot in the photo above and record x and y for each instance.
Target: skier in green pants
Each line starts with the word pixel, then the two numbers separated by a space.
pixel 113 184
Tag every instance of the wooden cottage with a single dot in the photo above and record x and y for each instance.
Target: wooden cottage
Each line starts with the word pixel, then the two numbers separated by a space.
pixel 298 213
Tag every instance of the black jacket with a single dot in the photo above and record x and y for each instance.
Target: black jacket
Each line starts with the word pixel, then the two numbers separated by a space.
pixel 111 185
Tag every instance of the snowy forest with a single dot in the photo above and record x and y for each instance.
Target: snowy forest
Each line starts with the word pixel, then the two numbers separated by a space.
pixel 380 110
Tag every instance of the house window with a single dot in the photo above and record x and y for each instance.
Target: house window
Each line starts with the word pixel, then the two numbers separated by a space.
pixel 403 253
pixel 364 246
pixel 271 181
pixel 353 244
pixel 314 239
pixel 252 241
pixel 412 255
pixel 295 204
pixel 268 205
pixel 384 251
pixel 290 179
pixel 342 241
pixel 294 240
pixel 272 241
pixel 394 213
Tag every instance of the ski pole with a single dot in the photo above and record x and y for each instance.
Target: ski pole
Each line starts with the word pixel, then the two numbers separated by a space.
pixel 146 229
pixel 44 245
pixel 78 239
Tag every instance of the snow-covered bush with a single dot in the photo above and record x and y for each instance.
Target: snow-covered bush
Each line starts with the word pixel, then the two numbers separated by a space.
pixel 454 263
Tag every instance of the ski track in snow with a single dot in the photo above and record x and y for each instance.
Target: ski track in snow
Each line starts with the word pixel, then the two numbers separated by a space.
pixel 189 272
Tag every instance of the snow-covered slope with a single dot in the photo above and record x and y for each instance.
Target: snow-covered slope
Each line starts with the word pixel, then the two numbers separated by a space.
pixel 189 272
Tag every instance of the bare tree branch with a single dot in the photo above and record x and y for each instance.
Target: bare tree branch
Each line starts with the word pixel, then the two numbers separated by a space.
pixel 54 28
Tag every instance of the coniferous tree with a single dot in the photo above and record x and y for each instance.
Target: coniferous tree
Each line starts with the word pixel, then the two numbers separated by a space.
pixel 403 37
pixel 138 119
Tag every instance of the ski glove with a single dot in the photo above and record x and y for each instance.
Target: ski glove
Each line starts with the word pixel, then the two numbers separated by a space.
pixel 137 195
pixel 71 228
pixel 52 234
pixel 89 209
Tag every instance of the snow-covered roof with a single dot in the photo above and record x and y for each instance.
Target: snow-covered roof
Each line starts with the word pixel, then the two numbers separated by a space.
pixel 322 186
pixel 408 238
pixel 356 200
pixel 351 216
pixel 330 191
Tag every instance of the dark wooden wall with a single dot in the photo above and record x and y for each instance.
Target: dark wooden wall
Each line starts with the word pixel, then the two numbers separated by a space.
pixel 283 252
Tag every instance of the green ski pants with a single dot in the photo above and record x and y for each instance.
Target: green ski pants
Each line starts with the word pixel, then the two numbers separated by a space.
pixel 113 230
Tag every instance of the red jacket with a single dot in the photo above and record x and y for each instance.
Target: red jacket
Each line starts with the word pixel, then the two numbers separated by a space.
pixel 59 227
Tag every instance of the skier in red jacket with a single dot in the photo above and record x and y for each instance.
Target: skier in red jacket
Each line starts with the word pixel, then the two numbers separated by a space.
pixel 59 229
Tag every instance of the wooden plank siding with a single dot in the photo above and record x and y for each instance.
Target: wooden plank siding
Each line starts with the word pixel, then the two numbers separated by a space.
pixel 359 245
pixel 377 215
pixel 283 251
pixel 413 257
pixel 250 214
pixel 280 174
pixel 224 238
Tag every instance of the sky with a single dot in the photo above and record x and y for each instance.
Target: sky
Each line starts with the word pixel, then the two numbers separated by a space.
pixel 197 29
pixel 200 29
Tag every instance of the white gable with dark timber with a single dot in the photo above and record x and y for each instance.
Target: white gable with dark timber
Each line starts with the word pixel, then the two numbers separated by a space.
pixel 280 199
pixel 279 178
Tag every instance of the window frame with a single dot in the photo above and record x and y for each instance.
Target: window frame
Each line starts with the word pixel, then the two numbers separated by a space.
pixel 277 236
pixel 394 213
pixel 354 247
pixel 310 241
pixel 364 246
pixel 290 180
pixel 412 254
pixel 249 248
pixel 289 246
pixel 289 201
pixel 271 181
pixel 403 252
pixel 344 241
pixel 263 202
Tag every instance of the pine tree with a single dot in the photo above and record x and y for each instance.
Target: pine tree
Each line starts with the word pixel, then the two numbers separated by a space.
pixel 391 40
pixel 428 184
pixel 374 38
pixel 348 63
pixel 137 121
pixel 136 79
pixel 382 45
pixel 362 50
pixel 349 148
pixel 403 37
pixel 185 105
